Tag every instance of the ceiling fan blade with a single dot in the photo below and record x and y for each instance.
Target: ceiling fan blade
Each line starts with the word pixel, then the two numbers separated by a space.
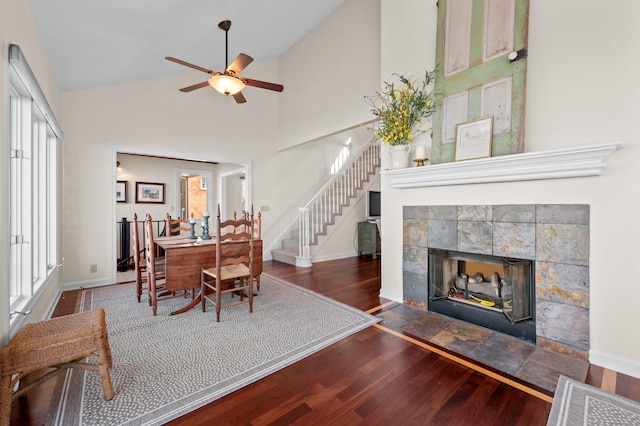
pixel 195 86
pixel 187 64
pixel 263 84
pixel 239 63
pixel 239 97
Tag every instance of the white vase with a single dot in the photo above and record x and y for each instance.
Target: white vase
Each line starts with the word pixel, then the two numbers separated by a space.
pixel 399 156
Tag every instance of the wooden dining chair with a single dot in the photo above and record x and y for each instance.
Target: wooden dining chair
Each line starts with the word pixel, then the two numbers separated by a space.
pixel 257 234
pixel 233 272
pixel 177 226
pixel 140 263
pixel 155 273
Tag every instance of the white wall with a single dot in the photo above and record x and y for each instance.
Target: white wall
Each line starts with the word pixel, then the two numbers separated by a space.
pixel 584 59
pixel 17 27
pixel 321 74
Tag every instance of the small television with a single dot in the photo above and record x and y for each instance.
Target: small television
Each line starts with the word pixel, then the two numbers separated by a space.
pixel 373 205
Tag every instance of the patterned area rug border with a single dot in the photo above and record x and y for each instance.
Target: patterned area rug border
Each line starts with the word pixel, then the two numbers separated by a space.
pixel 159 373
pixel 577 403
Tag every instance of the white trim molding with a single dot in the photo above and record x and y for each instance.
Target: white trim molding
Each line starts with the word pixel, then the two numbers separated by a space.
pixel 555 164
pixel 614 362
pixel 23 70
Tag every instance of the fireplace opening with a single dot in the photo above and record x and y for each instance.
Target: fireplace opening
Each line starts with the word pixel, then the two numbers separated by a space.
pixel 490 291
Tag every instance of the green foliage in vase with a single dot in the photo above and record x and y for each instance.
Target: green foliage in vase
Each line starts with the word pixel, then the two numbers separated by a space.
pixel 400 108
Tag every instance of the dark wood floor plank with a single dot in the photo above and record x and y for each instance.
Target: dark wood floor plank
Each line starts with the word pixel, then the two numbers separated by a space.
pixel 594 376
pixel 467 404
pixel 628 387
pixel 518 411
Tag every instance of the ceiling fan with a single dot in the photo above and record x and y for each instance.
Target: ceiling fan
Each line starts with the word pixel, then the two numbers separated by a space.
pixel 228 82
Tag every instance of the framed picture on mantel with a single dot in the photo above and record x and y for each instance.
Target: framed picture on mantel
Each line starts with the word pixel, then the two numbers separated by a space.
pixel 147 192
pixel 473 139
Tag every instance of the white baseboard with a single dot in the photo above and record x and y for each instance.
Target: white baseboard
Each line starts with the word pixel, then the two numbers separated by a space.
pixel 335 256
pixel 86 284
pixel 615 362
pixel 75 286
pixel 396 297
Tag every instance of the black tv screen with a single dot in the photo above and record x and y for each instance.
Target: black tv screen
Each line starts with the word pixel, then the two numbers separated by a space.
pixel 373 204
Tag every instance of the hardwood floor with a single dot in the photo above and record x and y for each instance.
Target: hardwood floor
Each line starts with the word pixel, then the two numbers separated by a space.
pixel 372 377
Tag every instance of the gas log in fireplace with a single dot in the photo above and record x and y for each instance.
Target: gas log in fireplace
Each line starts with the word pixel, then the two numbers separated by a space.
pixel 493 292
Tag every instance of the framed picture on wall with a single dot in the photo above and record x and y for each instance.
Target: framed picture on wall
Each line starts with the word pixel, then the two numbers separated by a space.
pixel 147 192
pixel 122 191
pixel 473 139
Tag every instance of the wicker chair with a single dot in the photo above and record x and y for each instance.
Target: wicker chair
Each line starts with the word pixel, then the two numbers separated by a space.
pixel 59 343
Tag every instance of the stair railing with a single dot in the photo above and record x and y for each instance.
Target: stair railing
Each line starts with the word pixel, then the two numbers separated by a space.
pixel 329 201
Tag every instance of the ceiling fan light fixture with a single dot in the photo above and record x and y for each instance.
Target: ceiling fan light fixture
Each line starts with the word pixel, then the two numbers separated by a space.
pixel 226 84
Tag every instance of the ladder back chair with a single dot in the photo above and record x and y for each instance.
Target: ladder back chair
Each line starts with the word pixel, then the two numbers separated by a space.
pixel 140 263
pixel 156 285
pixel 177 226
pixel 257 234
pixel 233 271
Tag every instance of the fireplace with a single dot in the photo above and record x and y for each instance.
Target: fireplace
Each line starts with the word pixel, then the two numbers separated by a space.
pixel 544 246
pixel 490 291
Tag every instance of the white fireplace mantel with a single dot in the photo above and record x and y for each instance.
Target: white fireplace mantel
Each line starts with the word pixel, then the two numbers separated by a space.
pixel 561 163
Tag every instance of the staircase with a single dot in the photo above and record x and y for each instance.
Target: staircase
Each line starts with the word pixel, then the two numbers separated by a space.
pixel 326 207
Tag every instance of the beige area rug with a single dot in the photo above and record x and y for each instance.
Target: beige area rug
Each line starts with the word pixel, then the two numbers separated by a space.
pixel 166 366
pixel 576 403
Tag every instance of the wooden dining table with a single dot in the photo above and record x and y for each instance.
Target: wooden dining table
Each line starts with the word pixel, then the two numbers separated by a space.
pixel 185 257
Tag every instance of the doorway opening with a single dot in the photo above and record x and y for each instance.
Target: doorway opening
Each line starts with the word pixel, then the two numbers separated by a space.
pixel 192 196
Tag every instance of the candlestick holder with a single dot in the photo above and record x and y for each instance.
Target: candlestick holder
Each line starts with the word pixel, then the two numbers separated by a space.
pixel 205 228
pixel 420 161
pixel 192 233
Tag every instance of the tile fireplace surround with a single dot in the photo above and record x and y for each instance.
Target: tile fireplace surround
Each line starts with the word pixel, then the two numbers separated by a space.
pixel 555 237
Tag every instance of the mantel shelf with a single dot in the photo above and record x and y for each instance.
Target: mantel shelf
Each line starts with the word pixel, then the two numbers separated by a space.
pixel 555 164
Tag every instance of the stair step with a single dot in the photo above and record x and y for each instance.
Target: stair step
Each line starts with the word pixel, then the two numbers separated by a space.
pixel 284 256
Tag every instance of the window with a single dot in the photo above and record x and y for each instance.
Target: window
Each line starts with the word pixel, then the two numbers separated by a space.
pixel 33 144
pixel 340 160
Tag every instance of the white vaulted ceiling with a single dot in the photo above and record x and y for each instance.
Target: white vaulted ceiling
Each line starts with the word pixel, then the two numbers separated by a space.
pixel 94 43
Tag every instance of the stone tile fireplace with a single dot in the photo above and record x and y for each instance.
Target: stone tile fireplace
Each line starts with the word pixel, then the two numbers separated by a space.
pixel 552 239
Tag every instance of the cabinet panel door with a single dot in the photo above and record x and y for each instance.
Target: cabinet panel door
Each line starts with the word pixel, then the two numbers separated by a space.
pixel 475 78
